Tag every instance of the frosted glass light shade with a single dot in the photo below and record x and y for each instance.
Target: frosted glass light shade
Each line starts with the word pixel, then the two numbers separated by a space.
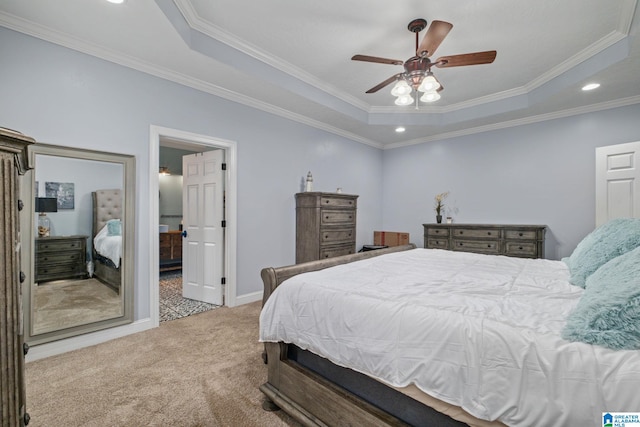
pixel 401 88
pixel 404 100
pixel 430 96
pixel 429 84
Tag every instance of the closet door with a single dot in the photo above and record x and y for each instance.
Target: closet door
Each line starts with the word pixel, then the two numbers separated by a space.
pixel 617 182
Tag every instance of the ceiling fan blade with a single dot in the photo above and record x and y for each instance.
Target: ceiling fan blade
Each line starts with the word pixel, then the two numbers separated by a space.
pixel 437 31
pixel 376 59
pixel 384 83
pixel 475 58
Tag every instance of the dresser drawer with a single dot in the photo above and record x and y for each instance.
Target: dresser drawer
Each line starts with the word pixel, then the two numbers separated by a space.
pixel 338 235
pixel 52 271
pixel 437 232
pixel 332 251
pixel 438 243
pixel 57 245
pixel 520 234
pixel 49 258
pixel 521 249
pixel 331 217
pixel 337 202
pixel 478 246
pixel 486 233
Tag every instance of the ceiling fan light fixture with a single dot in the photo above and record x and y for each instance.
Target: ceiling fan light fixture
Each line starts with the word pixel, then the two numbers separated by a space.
pixel 429 83
pixel 431 96
pixel 404 100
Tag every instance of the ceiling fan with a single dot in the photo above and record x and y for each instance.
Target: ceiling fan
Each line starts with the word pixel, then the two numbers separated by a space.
pixel 417 73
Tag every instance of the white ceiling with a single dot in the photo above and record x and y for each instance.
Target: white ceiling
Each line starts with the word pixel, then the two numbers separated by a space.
pixel 292 58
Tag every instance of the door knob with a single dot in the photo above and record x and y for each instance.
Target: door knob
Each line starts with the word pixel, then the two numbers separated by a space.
pixel 184 233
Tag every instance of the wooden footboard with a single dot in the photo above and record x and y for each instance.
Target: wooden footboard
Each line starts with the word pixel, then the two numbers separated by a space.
pixel 305 395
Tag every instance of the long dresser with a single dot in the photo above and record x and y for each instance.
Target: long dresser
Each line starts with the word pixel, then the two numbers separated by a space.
pixel 325 225
pixel 522 241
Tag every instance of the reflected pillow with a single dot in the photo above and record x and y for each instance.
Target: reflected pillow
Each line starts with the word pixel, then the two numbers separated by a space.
pixel 606 242
pixel 608 313
pixel 114 227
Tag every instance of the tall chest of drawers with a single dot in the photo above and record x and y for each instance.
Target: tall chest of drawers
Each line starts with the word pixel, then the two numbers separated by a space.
pixel 325 225
pixel 13 162
pixel 60 257
pixel 522 241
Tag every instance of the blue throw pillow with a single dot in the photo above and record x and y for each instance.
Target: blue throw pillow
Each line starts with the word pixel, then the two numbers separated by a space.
pixel 608 313
pixel 606 242
pixel 114 227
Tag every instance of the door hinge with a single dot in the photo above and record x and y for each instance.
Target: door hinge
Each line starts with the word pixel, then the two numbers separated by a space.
pixel 224 166
pixel 224 223
pixel 223 281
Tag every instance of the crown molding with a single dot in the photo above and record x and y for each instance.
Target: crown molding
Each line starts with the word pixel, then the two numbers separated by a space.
pixel 520 122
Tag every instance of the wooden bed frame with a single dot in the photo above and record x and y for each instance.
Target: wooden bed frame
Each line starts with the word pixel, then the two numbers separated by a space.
pixel 316 400
pixel 107 204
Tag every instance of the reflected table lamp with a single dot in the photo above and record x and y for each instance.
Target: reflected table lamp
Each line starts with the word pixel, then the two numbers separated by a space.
pixel 44 205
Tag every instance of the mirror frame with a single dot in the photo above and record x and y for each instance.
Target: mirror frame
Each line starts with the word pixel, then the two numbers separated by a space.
pixel 28 235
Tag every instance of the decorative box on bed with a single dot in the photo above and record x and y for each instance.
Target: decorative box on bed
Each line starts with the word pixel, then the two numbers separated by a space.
pixel 523 241
pixel 107 206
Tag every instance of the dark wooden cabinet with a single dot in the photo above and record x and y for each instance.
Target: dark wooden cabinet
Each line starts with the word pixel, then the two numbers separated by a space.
pixel 13 161
pixel 325 225
pixel 522 241
pixel 171 250
pixel 60 257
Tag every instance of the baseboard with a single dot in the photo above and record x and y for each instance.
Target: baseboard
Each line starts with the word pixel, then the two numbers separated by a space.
pixel 247 298
pixel 74 343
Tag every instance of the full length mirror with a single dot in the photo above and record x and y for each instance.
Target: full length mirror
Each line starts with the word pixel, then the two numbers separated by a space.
pixel 79 247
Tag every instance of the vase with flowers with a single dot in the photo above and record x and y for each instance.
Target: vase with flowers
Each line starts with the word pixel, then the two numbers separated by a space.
pixel 439 206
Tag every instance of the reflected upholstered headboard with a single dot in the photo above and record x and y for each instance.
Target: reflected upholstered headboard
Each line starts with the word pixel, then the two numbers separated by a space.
pixel 107 204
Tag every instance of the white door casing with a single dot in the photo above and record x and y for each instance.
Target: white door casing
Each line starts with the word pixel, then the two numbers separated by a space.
pixel 203 213
pixel 617 182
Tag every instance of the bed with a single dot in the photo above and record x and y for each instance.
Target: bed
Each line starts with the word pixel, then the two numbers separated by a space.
pixel 107 236
pixel 456 338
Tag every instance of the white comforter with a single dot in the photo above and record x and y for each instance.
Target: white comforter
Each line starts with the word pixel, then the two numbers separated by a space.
pixel 108 246
pixel 478 331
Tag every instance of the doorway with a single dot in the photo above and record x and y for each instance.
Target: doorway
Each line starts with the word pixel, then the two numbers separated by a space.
pixel 171 139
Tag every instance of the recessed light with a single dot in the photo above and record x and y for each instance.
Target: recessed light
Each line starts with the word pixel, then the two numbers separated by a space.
pixel 591 86
pixel 400 129
pixel 116 1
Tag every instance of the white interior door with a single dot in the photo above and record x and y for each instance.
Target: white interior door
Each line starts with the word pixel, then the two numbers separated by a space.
pixel 203 213
pixel 617 182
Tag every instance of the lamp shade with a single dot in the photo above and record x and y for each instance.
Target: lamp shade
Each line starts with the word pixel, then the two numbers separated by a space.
pixel 46 204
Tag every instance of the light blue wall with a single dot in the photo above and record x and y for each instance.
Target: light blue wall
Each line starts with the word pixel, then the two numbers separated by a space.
pixel 63 97
pixel 542 173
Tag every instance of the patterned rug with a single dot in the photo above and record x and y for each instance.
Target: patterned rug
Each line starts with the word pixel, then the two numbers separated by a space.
pixel 172 305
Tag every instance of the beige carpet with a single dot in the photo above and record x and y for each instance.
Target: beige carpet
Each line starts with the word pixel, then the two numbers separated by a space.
pixel 201 370
pixel 67 303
